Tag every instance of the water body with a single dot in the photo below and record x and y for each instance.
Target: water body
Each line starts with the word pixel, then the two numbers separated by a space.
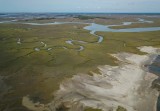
pixel 45 45
pixel 104 28
pixel 55 23
pixel 144 21
pixel 97 27
pixel 93 28
pixel 36 49
pixel 71 43
pixel 19 41
pixel 49 49
pixel 1 22
pixel 100 38
pixel 155 68
pixel 8 21
pixel 81 48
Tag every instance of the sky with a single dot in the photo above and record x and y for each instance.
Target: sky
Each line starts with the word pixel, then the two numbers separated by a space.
pixel 107 6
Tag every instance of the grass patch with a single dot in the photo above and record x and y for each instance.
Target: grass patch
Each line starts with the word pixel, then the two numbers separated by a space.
pixel 120 108
pixel 40 72
pixel 91 109
pixel 155 23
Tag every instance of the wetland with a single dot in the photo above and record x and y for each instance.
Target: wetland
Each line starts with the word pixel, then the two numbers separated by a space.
pixel 37 55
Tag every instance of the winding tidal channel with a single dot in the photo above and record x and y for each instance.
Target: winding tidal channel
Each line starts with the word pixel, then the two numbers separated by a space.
pixel 92 83
pixel 93 28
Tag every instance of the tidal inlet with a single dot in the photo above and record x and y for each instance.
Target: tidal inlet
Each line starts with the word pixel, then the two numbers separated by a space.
pixel 79 61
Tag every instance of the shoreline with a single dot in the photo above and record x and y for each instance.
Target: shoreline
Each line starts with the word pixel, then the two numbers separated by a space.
pixel 127 85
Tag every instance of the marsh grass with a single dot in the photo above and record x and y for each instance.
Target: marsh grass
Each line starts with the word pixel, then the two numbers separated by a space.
pixel 39 73
pixel 120 108
pixel 155 23
pixel 91 109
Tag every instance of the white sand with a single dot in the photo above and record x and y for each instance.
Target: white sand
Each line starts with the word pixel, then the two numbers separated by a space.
pixel 127 85
pixel 149 49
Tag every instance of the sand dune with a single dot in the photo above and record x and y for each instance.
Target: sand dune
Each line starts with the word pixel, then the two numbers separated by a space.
pixel 127 85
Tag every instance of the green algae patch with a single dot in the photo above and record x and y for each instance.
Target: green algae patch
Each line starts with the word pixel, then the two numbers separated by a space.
pixel 120 108
pixel 92 109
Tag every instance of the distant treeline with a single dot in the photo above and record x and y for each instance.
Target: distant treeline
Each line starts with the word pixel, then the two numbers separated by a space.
pixel 44 18
pixel 40 19
pixel 85 17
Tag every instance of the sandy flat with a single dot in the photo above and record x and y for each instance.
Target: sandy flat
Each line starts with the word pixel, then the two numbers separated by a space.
pixel 127 85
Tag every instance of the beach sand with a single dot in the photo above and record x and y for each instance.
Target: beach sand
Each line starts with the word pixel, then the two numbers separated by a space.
pixel 127 85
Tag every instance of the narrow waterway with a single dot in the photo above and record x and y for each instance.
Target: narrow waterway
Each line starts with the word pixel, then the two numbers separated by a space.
pixel 155 68
pixel 93 28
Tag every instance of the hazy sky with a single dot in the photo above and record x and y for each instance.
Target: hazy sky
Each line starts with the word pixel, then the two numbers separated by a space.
pixel 79 5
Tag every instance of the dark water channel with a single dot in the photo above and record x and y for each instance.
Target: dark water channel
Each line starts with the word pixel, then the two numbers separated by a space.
pixel 155 68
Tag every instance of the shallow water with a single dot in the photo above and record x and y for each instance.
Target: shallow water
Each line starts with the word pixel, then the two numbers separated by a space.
pixel 104 28
pixel 55 23
pixel 71 43
pixel 155 68
pixel 1 22
pixel 81 48
pixel 145 21
pixel 93 27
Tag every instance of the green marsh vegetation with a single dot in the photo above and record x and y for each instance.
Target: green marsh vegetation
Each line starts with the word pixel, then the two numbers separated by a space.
pixel 127 42
pixel 120 108
pixel 86 17
pixel 155 23
pixel 39 73
pixel 91 109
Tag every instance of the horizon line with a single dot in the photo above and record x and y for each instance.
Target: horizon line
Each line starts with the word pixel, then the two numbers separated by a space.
pixel 92 12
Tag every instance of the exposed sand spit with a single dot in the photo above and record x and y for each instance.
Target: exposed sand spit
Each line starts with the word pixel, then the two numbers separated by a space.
pixel 127 85
pixel 149 49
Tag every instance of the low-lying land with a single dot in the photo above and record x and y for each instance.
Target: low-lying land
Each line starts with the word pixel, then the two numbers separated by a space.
pixel 140 25
pixel 34 60
pixel 126 87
